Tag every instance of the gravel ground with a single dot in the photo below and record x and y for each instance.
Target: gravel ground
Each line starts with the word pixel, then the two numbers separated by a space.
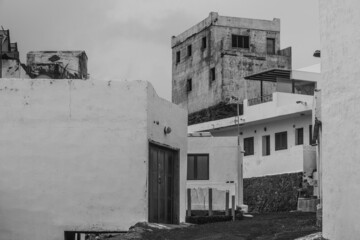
pixel 269 226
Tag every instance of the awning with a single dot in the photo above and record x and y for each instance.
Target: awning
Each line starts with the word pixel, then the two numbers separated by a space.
pixel 270 75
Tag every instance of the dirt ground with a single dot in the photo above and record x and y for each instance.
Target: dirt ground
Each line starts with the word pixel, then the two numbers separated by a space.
pixel 287 225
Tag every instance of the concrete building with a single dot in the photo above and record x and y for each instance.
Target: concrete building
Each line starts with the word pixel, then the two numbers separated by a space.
pixel 10 66
pixel 212 163
pixel 58 64
pixel 340 114
pixel 274 130
pixel 76 158
pixel 211 59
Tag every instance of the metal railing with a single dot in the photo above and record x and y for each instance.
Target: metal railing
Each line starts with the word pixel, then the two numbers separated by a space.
pixel 258 100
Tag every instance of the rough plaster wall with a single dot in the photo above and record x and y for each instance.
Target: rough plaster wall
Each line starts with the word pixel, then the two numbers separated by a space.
pixel 73 157
pixel 13 69
pixel 278 162
pixel 161 114
pixel 340 87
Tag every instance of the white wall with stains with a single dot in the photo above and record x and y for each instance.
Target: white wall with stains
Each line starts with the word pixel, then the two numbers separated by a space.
pixel 340 115
pixel 73 155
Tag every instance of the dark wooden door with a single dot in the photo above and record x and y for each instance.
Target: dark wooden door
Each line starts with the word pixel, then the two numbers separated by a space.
pixel 163 185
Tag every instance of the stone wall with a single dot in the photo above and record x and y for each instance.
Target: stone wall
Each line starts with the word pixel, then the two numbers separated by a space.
pixel 275 193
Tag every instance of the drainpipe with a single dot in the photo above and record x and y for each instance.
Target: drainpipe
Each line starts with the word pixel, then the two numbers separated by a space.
pixel 240 160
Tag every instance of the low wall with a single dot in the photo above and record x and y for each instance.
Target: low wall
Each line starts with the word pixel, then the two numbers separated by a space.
pixel 275 193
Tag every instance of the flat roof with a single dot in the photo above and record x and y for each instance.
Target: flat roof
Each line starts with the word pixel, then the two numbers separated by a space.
pixel 270 75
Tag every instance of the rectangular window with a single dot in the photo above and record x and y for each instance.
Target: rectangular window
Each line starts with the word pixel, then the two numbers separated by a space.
pixel 311 141
pixel 203 43
pixel 266 145
pixel 189 50
pixel 239 41
pixel 299 136
pixel 198 167
pixel 270 45
pixel 212 74
pixel 280 141
pixel 189 85
pixel 249 146
pixel 177 56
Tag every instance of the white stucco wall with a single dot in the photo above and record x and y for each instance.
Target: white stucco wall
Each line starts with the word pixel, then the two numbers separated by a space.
pixel 278 162
pixel 340 88
pixel 223 162
pixel 73 155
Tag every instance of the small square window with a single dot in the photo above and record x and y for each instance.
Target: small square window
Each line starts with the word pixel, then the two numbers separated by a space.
pixel 238 41
pixel 212 74
pixel 177 56
pixel 189 50
pixel 299 136
pixel 280 141
pixel 198 167
pixel 189 85
pixel 203 43
pixel 249 146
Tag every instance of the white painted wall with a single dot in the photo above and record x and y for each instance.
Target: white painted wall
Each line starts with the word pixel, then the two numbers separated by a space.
pixel 73 155
pixel 278 162
pixel 223 162
pixel 340 88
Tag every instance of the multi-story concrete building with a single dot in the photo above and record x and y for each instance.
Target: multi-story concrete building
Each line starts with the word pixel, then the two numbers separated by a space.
pixel 210 60
pixel 275 133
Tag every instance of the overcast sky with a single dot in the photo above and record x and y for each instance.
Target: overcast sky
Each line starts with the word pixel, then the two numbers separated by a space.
pixel 130 39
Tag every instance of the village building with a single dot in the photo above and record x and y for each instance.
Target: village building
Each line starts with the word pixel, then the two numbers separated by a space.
pixel 275 131
pixel 10 65
pixel 76 159
pixel 211 59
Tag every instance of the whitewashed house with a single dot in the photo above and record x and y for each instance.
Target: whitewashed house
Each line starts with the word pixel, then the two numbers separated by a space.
pixel 88 156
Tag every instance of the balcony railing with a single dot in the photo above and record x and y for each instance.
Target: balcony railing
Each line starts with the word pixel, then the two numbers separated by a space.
pixel 258 100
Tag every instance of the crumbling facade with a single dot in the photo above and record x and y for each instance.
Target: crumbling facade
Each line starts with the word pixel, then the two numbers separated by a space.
pixel 57 64
pixel 210 60
pixel 10 66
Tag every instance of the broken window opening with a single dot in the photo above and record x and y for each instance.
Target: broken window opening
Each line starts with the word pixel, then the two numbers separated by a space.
pixel 177 56
pixel 203 43
pixel 239 41
pixel 189 50
pixel 189 85
pixel 212 74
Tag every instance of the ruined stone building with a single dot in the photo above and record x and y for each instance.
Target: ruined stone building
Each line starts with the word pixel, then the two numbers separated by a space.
pixel 10 66
pixel 211 59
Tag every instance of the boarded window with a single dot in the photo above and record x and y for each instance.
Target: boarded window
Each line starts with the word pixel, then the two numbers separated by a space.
pixel 212 74
pixel 266 145
pixel 189 50
pixel 203 43
pixel 299 136
pixel 270 45
pixel 177 56
pixel 189 85
pixel 249 146
pixel 280 141
pixel 198 167
pixel 239 41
